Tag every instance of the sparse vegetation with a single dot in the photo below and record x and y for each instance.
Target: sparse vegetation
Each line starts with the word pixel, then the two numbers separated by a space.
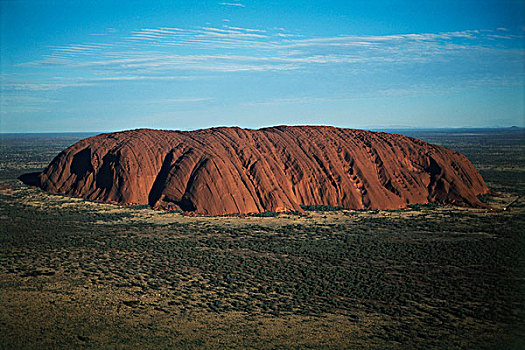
pixel 321 208
pixel 78 274
pixel 426 206
pixel 140 206
pixel 267 214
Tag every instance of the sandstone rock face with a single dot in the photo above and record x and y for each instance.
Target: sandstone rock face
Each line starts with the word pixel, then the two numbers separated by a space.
pixel 231 170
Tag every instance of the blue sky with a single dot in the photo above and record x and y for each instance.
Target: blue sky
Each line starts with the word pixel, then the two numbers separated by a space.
pixel 115 65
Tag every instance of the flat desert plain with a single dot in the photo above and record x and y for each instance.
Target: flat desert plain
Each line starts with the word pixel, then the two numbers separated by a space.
pixel 82 274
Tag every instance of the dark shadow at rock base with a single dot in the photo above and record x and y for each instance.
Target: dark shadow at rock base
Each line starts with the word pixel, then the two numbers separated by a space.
pixel 30 179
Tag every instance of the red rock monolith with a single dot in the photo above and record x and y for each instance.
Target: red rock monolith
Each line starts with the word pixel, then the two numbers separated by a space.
pixel 231 170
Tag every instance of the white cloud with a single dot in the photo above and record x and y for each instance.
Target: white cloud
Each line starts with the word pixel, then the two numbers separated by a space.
pixel 182 100
pixel 39 86
pixel 236 4
pixel 21 109
pixel 168 53
pixel 247 29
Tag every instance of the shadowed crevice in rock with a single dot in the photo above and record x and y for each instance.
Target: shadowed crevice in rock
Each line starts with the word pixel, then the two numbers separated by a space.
pixel 81 164
pixel 158 186
pixel 105 176
pixel 186 204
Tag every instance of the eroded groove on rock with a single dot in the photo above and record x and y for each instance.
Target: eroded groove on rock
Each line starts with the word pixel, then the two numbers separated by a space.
pixel 231 170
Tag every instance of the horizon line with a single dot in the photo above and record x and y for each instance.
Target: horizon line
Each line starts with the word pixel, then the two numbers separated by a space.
pixel 403 128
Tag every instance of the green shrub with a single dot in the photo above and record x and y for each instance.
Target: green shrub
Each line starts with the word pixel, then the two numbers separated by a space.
pixel 321 208
pixel 175 211
pixel 139 206
pixel 267 214
pixel 483 198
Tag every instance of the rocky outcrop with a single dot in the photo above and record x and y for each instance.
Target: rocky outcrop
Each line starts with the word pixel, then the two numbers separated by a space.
pixel 231 170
